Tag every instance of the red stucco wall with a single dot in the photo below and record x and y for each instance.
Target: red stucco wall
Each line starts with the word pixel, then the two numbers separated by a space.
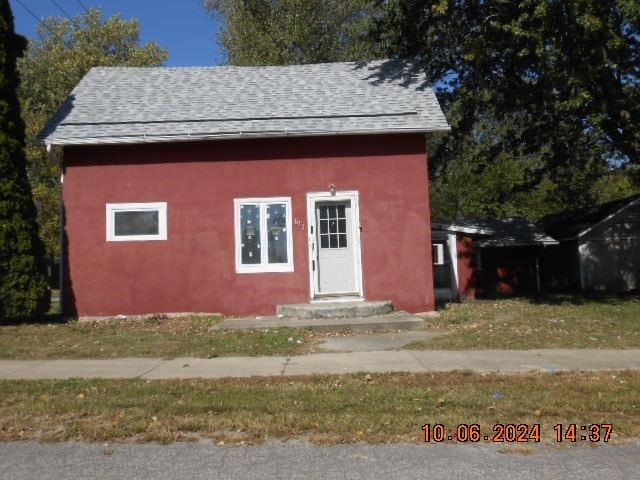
pixel 194 270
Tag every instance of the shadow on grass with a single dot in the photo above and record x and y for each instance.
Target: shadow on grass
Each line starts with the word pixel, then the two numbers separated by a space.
pixel 51 318
pixel 582 298
pixel 571 297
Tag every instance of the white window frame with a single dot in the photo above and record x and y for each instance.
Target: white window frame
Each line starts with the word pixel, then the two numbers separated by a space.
pixel 264 266
pixel 438 259
pixel 160 207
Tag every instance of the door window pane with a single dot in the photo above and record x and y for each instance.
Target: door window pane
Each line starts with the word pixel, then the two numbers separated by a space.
pixel 136 223
pixel 277 232
pixel 250 234
pixel 333 226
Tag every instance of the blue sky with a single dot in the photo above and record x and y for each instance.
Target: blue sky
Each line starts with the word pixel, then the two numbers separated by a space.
pixel 181 26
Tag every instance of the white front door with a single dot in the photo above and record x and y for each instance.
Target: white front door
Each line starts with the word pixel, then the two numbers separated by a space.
pixel 335 265
pixel 335 248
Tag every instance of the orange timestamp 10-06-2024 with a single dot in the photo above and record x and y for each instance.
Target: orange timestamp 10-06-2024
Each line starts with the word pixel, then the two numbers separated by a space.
pixel 516 433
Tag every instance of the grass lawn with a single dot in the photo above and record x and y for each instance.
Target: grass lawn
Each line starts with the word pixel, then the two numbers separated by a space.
pixel 331 409
pixel 559 322
pixel 555 322
pixel 157 337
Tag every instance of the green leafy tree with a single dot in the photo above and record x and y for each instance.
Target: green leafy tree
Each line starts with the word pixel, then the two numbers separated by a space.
pixel 283 32
pixel 23 286
pixel 54 63
pixel 551 87
pixel 617 184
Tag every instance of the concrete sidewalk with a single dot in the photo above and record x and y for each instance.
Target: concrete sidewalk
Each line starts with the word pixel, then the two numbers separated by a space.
pixel 506 361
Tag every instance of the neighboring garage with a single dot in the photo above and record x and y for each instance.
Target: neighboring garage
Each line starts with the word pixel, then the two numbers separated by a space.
pixel 487 258
pixel 599 247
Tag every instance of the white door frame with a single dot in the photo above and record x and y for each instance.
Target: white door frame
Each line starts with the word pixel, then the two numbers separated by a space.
pixel 312 200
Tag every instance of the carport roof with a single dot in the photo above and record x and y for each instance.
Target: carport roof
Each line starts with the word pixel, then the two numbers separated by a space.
pixel 501 232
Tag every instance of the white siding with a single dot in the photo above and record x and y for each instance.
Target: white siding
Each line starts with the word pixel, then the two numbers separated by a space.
pixel 610 253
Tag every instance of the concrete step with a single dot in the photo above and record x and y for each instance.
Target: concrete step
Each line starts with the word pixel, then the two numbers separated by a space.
pixel 335 310
pixel 389 322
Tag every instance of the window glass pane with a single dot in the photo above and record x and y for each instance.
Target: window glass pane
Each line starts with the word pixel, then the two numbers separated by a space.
pixel 333 226
pixel 342 226
pixel 324 241
pixel 136 223
pixel 323 212
pixel 277 232
pixel 341 211
pixel 324 226
pixel 343 241
pixel 441 271
pixel 332 211
pixel 438 254
pixel 250 233
pixel 333 241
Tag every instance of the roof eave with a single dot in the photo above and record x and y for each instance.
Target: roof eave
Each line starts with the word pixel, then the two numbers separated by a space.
pixel 142 139
pixel 497 244
pixel 608 217
pixel 584 231
pixel 463 229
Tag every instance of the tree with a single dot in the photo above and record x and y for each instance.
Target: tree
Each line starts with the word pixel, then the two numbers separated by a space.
pixel 54 63
pixel 283 32
pixel 23 286
pixel 551 84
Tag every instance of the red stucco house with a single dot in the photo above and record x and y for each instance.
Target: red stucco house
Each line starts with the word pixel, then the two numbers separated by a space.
pixel 236 189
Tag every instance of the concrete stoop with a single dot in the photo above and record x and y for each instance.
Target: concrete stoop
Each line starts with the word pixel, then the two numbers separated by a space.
pixel 390 322
pixel 333 310
pixel 381 323
pixel 331 316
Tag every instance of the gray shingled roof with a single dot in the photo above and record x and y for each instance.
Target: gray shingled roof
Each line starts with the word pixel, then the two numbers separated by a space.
pixel 133 105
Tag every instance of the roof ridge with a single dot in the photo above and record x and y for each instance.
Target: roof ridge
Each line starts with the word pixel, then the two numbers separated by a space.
pixel 215 67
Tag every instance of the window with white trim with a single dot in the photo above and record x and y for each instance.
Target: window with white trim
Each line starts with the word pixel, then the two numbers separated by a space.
pixel 263 235
pixel 438 254
pixel 136 221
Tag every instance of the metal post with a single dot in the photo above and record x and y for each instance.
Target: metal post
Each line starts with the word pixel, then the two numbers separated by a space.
pixel 538 286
